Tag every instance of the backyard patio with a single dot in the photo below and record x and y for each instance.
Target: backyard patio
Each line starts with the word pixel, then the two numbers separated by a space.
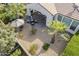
pixel 40 38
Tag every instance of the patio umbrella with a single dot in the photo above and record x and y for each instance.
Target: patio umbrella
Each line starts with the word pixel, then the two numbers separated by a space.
pixel 17 23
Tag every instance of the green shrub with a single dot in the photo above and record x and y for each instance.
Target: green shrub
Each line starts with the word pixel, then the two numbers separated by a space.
pixel 7 38
pixel 67 35
pixel 18 52
pixel 11 11
pixel 33 31
pixel 46 46
pixel 33 49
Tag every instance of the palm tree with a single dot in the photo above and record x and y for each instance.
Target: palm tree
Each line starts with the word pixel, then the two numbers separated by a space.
pixel 58 28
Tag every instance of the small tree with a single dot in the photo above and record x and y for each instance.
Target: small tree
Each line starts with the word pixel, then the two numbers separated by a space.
pixel 7 38
pixel 58 27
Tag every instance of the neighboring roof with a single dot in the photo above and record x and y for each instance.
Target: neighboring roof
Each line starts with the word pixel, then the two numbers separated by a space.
pixel 62 8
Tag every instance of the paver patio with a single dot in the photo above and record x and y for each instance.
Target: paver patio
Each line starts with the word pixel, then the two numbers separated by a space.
pixel 44 37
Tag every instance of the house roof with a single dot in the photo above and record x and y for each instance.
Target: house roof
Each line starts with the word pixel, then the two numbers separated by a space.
pixel 62 8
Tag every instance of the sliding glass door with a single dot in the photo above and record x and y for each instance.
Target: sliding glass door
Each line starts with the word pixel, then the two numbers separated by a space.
pixel 74 25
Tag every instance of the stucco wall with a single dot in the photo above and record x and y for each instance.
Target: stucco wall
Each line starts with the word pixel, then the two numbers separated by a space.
pixel 39 8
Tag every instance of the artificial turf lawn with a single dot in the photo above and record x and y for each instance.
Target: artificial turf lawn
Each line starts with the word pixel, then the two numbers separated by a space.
pixel 72 49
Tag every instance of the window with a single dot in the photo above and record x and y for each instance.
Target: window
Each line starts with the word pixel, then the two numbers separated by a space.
pixel 74 25
pixel 55 17
pixel 67 21
pixel 59 17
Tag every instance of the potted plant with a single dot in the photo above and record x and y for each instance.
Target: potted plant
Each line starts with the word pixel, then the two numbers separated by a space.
pixel 46 46
pixel 33 31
